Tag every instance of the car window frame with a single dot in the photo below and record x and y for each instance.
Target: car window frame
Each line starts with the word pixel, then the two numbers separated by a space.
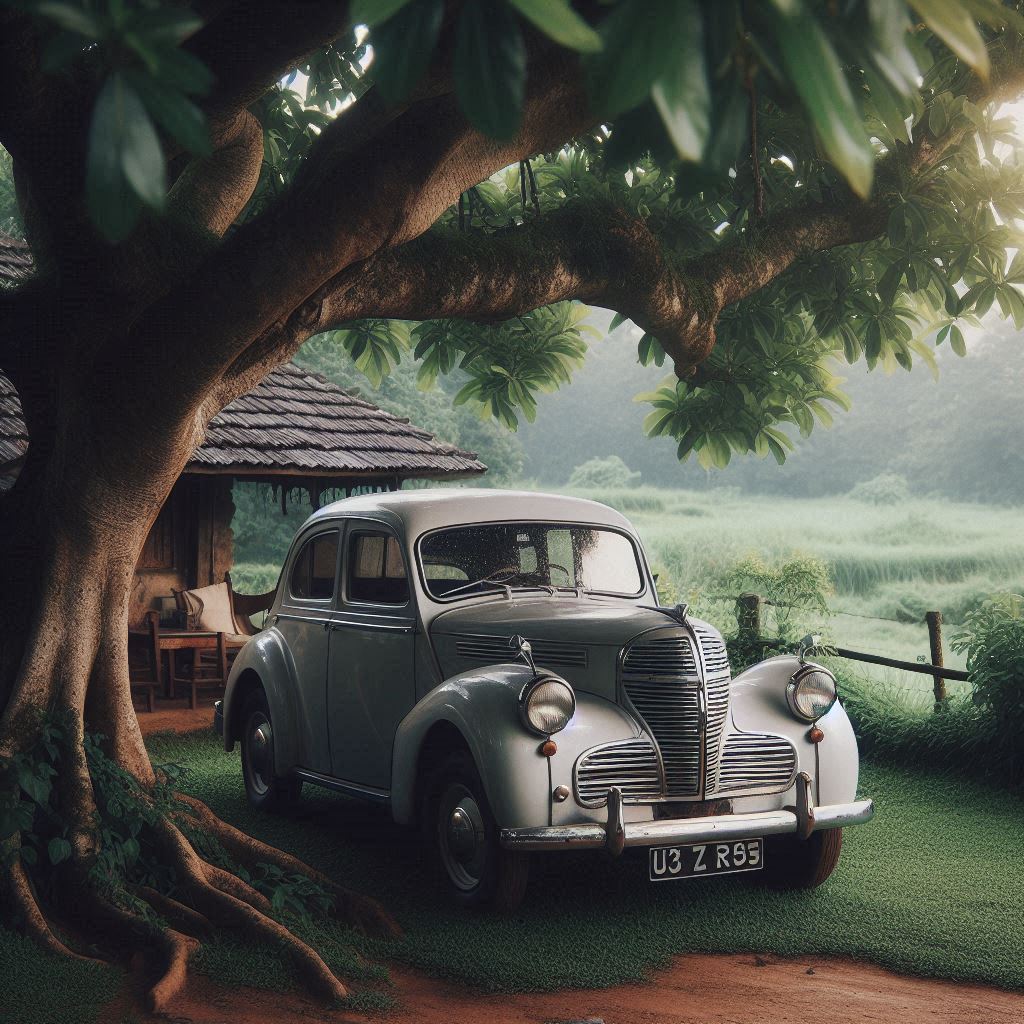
pixel 643 569
pixel 294 600
pixel 352 528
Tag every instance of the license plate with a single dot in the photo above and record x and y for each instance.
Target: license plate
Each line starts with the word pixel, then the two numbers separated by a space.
pixel 700 860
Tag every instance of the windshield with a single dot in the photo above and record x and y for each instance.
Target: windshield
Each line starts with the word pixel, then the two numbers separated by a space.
pixel 467 560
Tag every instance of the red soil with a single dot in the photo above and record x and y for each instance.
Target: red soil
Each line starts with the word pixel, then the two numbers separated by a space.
pixel 737 989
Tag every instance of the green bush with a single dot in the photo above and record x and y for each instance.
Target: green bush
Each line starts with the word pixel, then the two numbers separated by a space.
pixel 992 638
pixel 253 578
pixel 609 472
pixel 884 489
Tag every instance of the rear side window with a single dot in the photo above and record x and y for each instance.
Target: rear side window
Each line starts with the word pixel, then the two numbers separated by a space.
pixel 314 569
pixel 376 569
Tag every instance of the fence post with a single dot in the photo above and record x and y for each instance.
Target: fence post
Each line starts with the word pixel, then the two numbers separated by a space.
pixel 748 617
pixel 934 620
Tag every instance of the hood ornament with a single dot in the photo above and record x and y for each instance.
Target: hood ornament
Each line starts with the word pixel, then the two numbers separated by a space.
pixel 524 650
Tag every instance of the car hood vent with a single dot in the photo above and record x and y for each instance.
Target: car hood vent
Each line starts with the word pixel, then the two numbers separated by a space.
pixel 546 653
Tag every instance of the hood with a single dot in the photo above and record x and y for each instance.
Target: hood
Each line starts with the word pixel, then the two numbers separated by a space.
pixel 565 619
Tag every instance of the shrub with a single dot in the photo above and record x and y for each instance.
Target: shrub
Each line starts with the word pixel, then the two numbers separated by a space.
pixel 884 489
pixel 253 578
pixel 993 640
pixel 609 472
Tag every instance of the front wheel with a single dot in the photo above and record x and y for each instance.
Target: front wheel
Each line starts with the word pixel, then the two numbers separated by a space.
pixel 462 835
pixel 793 863
pixel 265 790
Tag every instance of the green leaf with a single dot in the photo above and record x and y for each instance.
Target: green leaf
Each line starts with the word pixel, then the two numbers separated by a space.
pixel 817 76
pixel 175 113
pixel 617 321
pixel 373 12
pixel 952 23
pixel 58 850
pixel 558 21
pixel 71 17
pixel 889 105
pixel 681 93
pixel 956 341
pixel 403 46
pixel 490 67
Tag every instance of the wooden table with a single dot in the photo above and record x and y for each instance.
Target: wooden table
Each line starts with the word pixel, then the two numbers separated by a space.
pixel 172 640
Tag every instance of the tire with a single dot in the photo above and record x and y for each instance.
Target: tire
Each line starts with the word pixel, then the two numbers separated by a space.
pixel 264 789
pixel 462 837
pixel 792 863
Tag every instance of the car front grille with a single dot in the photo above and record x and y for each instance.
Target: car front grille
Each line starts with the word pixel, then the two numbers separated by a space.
pixel 631 765
pixel 662 680
pixel 753 760
pixel 717 680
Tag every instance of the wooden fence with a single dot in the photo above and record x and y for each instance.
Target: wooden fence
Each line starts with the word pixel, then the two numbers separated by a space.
pixel 749 609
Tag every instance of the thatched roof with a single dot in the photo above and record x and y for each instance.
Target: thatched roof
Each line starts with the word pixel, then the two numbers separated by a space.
pixel 293 424
pixel 15 259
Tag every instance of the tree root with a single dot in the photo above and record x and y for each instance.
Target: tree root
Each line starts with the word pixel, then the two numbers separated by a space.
pixel 206 897
pixel 362 912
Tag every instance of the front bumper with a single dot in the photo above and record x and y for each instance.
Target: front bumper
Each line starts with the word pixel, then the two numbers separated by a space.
pixel 614 835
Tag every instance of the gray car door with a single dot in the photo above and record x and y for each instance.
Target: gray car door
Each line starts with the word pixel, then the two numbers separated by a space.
pixel 303 619
pixel 371 685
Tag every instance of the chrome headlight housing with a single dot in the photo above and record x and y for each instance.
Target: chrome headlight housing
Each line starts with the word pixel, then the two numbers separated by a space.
pixel 547 705
pixel 811 692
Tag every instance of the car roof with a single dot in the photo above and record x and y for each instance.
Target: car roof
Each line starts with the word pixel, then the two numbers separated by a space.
pixel 431 508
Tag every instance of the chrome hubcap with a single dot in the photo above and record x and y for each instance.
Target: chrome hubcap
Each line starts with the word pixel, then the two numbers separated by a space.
pixel 462 836
pixel 260 752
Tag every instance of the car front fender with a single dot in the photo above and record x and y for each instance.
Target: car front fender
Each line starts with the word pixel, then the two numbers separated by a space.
pixel 483 705
pixel 266 658
pixel 758 704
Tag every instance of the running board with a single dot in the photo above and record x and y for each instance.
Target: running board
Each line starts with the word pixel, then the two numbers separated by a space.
pixel 360 792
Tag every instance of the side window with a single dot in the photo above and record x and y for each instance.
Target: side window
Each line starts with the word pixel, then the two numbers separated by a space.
pixel 376 569
pixel 313 572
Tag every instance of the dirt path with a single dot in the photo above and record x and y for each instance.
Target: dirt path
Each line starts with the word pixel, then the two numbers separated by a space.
pixel 732 989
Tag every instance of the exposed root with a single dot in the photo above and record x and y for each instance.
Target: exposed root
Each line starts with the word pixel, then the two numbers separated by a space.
pixel 176 914
pixel 361 911
pixel 177 949
pixel 234 886
pixel 26 914
pixel 222 907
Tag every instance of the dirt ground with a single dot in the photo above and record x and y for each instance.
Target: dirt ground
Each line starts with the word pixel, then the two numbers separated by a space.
pixel 699 989
pixel 731 989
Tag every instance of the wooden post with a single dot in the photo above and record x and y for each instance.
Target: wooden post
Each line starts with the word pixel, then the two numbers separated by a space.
pixel 748 617
pixel 934 620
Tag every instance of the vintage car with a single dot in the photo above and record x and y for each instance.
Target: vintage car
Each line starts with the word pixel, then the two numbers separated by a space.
pixel 495 668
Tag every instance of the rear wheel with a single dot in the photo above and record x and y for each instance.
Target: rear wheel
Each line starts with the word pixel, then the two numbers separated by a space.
pixel 794 863
pixel 264 789
pixel 462 835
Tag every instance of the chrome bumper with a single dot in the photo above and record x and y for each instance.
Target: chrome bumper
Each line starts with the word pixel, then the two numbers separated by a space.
pixel 615 835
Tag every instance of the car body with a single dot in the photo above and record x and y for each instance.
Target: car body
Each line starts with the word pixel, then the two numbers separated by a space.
pixel 389 670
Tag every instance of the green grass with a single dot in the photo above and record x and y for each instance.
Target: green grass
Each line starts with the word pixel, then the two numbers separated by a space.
pixel 931 887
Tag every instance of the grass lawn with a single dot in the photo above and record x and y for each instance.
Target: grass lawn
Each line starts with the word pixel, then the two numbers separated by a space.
pixel 931 887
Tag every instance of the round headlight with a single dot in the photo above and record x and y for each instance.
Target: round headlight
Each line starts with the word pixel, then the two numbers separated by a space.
pixel 811 692
pixel 547 705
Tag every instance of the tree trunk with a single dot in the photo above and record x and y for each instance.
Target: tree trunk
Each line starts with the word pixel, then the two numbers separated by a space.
pixel 71 532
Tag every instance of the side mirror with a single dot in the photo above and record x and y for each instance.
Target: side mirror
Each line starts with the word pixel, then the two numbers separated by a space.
pixel 808 643
pixel 524 650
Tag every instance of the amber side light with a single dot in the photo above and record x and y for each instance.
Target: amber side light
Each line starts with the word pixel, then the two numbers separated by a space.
pixel 815 735
pixel 548 748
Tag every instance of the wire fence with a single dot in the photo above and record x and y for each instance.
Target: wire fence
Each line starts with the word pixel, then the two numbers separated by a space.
pixel 749 617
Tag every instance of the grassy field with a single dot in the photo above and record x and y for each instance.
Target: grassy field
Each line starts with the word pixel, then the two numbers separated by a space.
pixel 930 887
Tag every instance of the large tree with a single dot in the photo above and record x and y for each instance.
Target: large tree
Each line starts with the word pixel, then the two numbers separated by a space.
pixel 761 187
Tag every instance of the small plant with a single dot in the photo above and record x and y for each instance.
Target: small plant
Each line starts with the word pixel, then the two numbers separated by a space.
pixel 884 489
pixel 609 472
pixel 798 585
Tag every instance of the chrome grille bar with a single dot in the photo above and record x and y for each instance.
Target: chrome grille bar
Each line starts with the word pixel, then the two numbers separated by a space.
pixel 753 760
pixel 631 765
